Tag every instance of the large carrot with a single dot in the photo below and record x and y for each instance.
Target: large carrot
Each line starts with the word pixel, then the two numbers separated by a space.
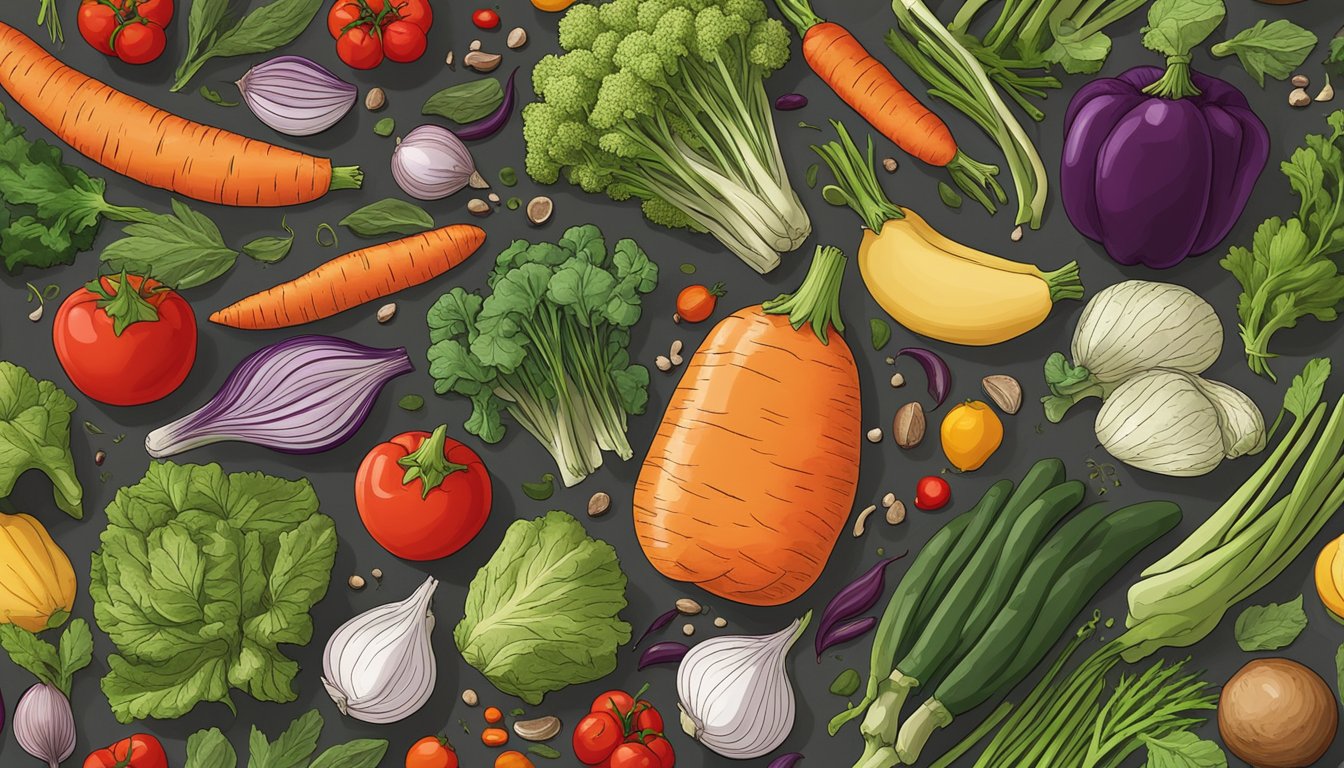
pixel 152 146
pixel 355 278
pixel 752 473
pixel 869 88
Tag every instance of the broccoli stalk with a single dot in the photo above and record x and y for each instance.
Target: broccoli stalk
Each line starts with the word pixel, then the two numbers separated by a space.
pixel 664 101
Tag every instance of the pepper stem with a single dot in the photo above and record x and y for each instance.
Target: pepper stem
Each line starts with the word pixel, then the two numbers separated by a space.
pixel 817 300
pixel 1175 83
pixel 428 463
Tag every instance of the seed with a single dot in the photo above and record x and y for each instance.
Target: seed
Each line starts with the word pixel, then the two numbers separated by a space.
pixel 909 425
pixel 662 363
pixel 688 607
pixel 539 210
pixel 375 100
pixel 897 380
pixel 377 573
pixel 36 314
pixel 477 181
pixel 888 500
pixel 676 347
pixel 1327 92
pixel 356 582
pixel 387 312
pixel 896 513
pixel 1017 234
pixel 482 61
pixel 598 504
pixel 1300 81
pixel 874 435
pixel 492 197
pixel 720 622
pixel 99 458
pixel 676 318
pixel 540 729
pixel 478 207
pixel 863 519
pixel 474 45
pixel 1004 390
pixel 1298 98
pixel 448 59
pixel 889 164
pixel 470 698
pixel 517 38
pixel 688 629
pixel 891 360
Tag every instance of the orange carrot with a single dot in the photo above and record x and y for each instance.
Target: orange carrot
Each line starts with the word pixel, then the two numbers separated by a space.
pixel 355 278
pixel 494 737
pixel 157 148
pixel 753 471
pixel 493 715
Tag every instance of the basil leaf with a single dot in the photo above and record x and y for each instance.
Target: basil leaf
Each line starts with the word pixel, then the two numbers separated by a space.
pixel 214 97
pixel 881 331
pixel 362 753
pixel 845 683
pixel 1268 627
pixel 1275 49
pixel 389 216
pixel 182 250
pixel 270 250
pixel 948 195
pixel 1175 27
pixel 411 403
pixel 260 31
pixel 466 102
pixel 210 749
pixel 30 652
pixel 1183 749
pixel 295 745
pixel 385 127
pixel 74 652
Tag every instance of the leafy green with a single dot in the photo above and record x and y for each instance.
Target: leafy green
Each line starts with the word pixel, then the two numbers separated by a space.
pixel 385 126
pixel 543 750
pixel 845 683
pixel 881 332
pixel 1275 49
pixel 294 749
pixel 210 749
pixel 214 97
pixel 388 216
pixel 270 249
pixel 1074 49
pixel 55 666
pixel 35 434
pixel 182 250
pixel 1339 672
pixel 210 35
pixel 467 101
pixel 549 346
pixel 1270 627
pixel 542 489
pixel 1175 27
pixel 543 612
pixel 1289 271
pixel 1334 60
pixel 411 402
pixel 1304 393
pixel 199 578
pixel 1183 749
pixel 948 195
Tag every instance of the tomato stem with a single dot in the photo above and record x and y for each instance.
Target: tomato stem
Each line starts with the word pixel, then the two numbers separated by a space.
pixel 125 307
pixel 428 463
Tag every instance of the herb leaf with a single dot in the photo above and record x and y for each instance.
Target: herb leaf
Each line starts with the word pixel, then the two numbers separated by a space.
pixel 262 30
pixel 1077 53
pixel 361 753
pixel 1183 749
pixel 466 102
pixel 1269 627
pixel 210 749
pixel 183 249
pixel 948 195
pixel 845 683
pixel 35 434
pixel 214 97
pixel 74 653
pixel 1175 27
pixel 270 249
pixel 389 216
pixel 881 331
pixel 1274 49
pixel 385 126
pixel 31 653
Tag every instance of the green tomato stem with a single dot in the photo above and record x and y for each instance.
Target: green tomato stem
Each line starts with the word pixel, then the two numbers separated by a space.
pixel 429 463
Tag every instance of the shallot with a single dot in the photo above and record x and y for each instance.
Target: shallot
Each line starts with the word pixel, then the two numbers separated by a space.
pixel 296 96
pixel 432 163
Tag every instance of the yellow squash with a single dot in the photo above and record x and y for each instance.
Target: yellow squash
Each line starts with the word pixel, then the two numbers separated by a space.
pixel 37 583
pixel 1328 585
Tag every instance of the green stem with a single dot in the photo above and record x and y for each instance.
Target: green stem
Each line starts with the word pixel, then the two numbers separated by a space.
pixel 817 300
pixel 856 177
pixel 429 463
pixel 1175 83
pixel 1064 282
pixel 346 177
pixel 799 13
pixel 981 731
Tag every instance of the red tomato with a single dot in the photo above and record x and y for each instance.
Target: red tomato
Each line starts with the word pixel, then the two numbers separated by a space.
pixel 139 42
pixel 360 48
pixel 403 41
pixel 618 703
pixel 422 496
pixel 431 752
pixel 646 718
pixel 343 14
pixel 662 748
pixel 596 736
pixel 485 18
pixel 417 12
pixel 932 493
pixel 150 356
pixel 635 755
pixel 158 11
pixel 97 24
pixel 696 302
pixel 139 751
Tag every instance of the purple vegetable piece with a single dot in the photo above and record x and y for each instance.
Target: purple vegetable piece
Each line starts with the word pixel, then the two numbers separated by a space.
pixel 1155 180
pixel 495 121
pixel 662 621
pixel 786 761
pixel 935 370
pixel 668 652
pixel 790 101
pixel 853 599
pixel 846 632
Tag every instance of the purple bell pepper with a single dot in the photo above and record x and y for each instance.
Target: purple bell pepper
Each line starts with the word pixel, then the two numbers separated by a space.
pixel 1156 179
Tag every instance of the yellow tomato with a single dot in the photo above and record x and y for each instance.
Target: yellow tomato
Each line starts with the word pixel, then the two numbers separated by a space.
pixel 1326 586
pixel 552 6
pixel 971 433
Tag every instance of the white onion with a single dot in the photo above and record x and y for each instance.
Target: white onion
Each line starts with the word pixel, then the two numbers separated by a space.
pixel 44 725
pixel 431 163
pixel 296 96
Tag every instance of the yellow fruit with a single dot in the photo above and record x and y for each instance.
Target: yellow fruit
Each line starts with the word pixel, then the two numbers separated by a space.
pixel 552 6
pixel 37 590
pixel 1326 587
pixel 971 433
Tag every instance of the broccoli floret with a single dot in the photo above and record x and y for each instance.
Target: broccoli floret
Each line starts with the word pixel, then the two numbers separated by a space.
pixel 664 101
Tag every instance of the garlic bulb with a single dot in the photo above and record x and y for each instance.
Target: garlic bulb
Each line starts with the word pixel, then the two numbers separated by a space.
pixel 734 692
pixel 1242 424
pixel 379 666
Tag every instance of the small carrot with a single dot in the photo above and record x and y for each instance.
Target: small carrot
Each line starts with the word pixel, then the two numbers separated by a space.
pixel 152 146
pixel 494 737
pixel 355 278
pixel 493 715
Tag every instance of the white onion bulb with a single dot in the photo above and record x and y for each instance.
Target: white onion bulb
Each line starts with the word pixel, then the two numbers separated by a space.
pixel 296 96
pixel 431 163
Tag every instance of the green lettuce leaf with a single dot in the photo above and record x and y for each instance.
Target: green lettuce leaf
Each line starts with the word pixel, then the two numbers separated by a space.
pixel 542 614
pixel 1270 627
pixel 35 434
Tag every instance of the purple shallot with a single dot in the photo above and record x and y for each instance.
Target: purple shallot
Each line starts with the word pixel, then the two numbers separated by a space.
pixel 669 652
pixel 853 600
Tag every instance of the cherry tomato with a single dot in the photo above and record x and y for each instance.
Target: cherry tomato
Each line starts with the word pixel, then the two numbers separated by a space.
pixel 618 703
pixel 360 48
pixel 662 748
pixel 485 18
pixel 342 14
pixel 932 493
pixel 404 42
pixel 646 718
pixel 596 736
pixel 139 751
pixel 97 23
pixel 417 12
pixel 635 755
pixel 696 302
pixel 143 362
pixel 158 11
pixel 139 42
pixel 431 752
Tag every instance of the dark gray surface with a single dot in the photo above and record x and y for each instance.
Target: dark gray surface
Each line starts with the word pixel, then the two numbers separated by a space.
pixel 519 458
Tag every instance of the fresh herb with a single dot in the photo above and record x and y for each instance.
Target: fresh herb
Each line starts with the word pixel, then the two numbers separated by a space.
pixel 834 195
pixel 465 727
pixel 42 296
pixel 542 490
pixel 1274 48
pixel 35 434
pixel 845 683
pixel 270 249
pixel 385 126
pixel 543 750
pixel 508 176
pixel 294 749
pixel 1102 474
pixel 54 665
pixel 181 250
pixel 517 712
pixel 214 97
pixel 388 217
pixel 807 125
pixel 466 102
pixel 325 227
pixel 212 32
pixel 1304 391
pixel 687 268
pixel 411 403
pixel 1182 749
pixel 948 195
pixel 91 428
pixel 119 438
pixel 811 176
pixel 881 332
pixel 254 555
pixel 1270 627
pixel 1289 271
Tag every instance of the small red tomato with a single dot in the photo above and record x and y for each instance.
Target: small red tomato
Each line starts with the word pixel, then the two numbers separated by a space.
pixel 139 751
pixel 418 12
pixel 404 42
pixel 647 718
pixel 932 493
pixel 596 736
pixel 618 703
pixel 634 755
pixel 158 11
pixel 485 18
pixel 139 42
pixel 360 48
pixel 696 302
pixel 343 14
pixel 97 24
pixel 662 748
pixel 431 752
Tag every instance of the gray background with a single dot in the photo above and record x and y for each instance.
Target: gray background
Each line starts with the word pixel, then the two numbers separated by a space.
pixel 519 458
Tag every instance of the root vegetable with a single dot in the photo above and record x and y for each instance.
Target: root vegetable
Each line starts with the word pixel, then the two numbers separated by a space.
pixel 1276 713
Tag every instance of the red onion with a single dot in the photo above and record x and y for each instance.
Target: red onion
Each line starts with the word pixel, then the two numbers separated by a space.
pixel 296 96
pixel 303 395
pixel 432 163
pixel 44 725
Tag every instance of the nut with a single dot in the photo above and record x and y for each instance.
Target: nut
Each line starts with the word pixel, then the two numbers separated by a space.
pixel 492 197
pixel 888 500
pixel 1004 391
pixel 538 729
pixel 539 210
pixel 482 61
pixel 909 425
pixel 676 318
pixel 688 629
pixel 517 38
pixel 676 346
pixel 387 312
pixel 896 513
pixel 662 363
pixel 377 573
pixel 375 100
pixel 478 207
pixel 863 519
pixel 1300 81
pixel 1298 98
pixel 470 698
pixel 356 582
pixel 474 45
pixel 1327 92
pixel 874 435
pixel 477 181
pixel 1017 234
pixel 889 164
pixel 598 504
pixel 720 622
pixel 897 380
pixel 448 59
pixel 688 607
